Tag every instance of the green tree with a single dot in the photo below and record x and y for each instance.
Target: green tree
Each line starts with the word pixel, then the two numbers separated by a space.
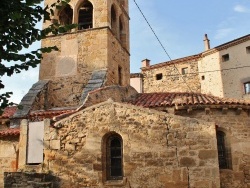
pixel 18 20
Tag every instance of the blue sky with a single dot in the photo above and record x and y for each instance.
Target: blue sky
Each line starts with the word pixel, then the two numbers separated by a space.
pixel 180 25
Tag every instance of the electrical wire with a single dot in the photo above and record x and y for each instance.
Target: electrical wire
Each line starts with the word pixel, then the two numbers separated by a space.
pixel 178 73
pixel 162 46
pixel 211 71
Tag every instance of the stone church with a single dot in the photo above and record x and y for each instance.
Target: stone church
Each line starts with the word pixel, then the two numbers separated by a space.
pixel 83 125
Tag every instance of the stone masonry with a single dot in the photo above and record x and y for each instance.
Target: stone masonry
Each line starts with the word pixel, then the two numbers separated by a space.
pixel 159 149
pixel 104 46
pixel 169 77
pixel 8 156
pixel 235 123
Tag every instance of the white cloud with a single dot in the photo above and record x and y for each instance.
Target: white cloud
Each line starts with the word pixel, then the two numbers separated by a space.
pixel 240 8
pixel 222 33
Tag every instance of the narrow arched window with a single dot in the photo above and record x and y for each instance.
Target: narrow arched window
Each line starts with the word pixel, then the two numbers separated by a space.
pixel 114 160
pixel 85 17
pixel 122 32
pixel 113 19
pixel 66 15
pixel 222 153
pixel 120 75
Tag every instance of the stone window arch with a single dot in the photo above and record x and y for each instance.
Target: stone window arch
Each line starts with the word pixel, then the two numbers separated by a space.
pixel 66 15
pixel 122 32
pixel 85 15
pixel 224 151
pixel 113 19
pixel 113 156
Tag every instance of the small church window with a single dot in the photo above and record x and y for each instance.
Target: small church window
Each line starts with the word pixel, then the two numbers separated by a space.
pixel 85 18
pixel 222 154
pixel 114 159
pixel 66 15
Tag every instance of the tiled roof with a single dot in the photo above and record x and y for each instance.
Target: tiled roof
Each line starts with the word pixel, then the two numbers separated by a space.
pixel 40 115
pixel 36 115
pixel 9 132
pixel 150 100
pixel 200 55
pixel 233 42
pixel 8 112
pixel 50 112
pixel 227 45
pixel 175 61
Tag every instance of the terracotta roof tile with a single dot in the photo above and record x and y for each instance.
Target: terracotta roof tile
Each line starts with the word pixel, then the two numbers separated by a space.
pixel 10 132
pixel 166 99
pixel 175 61
pixel 49 113
pixel 8 112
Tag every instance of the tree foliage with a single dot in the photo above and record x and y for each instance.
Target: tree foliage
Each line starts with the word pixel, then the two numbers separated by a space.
pixel 18 21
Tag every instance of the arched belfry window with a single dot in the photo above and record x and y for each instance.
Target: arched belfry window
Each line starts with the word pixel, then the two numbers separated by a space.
pixel 113 19
pixel 222 150
pixel 85 17
pixel 114 159
pixel 66 15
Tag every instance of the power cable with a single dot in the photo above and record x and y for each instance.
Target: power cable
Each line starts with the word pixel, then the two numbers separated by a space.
pixel 212 71
pixel 153 31
pixel 162 46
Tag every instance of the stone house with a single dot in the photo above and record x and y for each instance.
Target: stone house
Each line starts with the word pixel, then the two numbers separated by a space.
pixel 83 125
pixel 222 71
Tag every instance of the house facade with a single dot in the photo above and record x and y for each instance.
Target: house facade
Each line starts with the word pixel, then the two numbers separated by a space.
pixel 222 71
pixel 83 125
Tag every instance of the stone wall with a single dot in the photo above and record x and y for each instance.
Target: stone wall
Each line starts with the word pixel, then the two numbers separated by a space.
pixel 101 11
pixel 172 79
pixel 70 70
pixel 8 156
pixel 118 56
pixel 236 125
pixel 104 46
pixel 159 150
pixel 115 93
pixel 30 180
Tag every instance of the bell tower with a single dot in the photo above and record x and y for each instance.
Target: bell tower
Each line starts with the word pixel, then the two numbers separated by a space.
pixel 96 52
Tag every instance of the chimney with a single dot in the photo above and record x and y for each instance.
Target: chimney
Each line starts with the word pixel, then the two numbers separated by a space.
pixel 206 43
pixel 145 63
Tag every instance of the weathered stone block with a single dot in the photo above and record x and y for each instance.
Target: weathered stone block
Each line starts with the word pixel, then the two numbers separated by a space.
pixel 208 154
pixel 70 147
pixel 187 162
pixel 55 144
pixel 97 167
